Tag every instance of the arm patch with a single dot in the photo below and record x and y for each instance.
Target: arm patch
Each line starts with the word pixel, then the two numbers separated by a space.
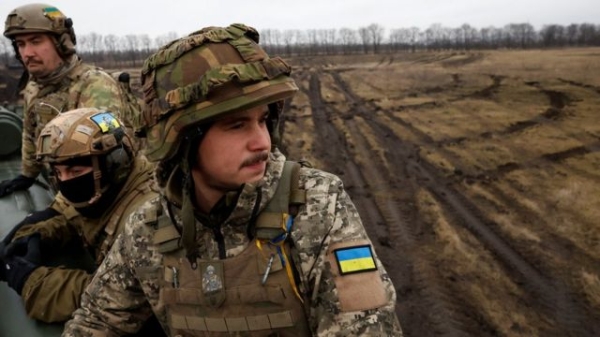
pixel 355 259
pixel 357 279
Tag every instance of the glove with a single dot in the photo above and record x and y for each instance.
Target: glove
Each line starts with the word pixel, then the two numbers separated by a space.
pixel 19 259
pixel 21 182
pixel 16 271
pixel 27 247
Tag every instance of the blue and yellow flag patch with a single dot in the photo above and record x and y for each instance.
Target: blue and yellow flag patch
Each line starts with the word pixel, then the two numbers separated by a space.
pixel 52 12
pixel 356 259
pixel 106 121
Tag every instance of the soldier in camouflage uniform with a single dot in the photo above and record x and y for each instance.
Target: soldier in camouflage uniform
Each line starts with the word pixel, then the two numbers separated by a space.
pixel 241 241
pixel 44 42
pixel 101 182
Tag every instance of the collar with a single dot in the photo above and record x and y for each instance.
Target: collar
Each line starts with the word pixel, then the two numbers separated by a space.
pixel 60 73
pixel 239 204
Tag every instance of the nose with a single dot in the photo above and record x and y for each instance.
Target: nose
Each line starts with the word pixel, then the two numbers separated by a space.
pixel 260 139
pixel 26 50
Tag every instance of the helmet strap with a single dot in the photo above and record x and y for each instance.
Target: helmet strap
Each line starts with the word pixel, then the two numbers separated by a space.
pixel 188 237
pixel 97 177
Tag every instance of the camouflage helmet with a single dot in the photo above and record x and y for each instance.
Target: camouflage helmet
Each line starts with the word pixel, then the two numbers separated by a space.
pixel 197 78
pixel 93 133
pixel 42 18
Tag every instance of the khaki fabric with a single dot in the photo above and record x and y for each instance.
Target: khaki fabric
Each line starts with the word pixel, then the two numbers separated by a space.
pixel 52 294
pixel 81 85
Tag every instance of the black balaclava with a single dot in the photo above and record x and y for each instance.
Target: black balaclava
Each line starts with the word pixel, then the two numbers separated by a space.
pixel 82 189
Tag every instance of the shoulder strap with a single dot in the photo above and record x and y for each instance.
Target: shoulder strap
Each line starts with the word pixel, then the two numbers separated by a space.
pixel 285 202
pixel 115 223
pixel 166 235
pixel 270 223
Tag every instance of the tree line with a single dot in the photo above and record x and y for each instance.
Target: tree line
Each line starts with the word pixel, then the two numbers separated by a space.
pixel 130 50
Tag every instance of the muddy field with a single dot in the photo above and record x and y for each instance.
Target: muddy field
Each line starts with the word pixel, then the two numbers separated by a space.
pixel 477 176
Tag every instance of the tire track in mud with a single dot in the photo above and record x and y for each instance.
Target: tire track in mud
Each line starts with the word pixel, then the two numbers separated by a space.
pixel 378 213
pixel 581 85
pixel 552 296
pixel 444 311
pixel 552 116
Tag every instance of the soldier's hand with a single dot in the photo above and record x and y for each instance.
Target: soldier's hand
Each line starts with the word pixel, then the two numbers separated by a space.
pixel 16 271
pixel 19 259
pixel 27 247
pixel 20 182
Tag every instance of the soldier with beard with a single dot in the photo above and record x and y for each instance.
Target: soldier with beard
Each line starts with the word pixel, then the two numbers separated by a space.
pixel 101 182
pixel 44 42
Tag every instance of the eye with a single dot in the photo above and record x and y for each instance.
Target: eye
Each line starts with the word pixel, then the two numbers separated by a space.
pixel 236 125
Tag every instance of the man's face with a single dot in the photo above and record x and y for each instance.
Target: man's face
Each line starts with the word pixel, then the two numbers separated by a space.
pixel 38 53
pixel 234 151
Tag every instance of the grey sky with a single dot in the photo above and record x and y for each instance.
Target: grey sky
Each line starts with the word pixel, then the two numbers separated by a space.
pixel 153 17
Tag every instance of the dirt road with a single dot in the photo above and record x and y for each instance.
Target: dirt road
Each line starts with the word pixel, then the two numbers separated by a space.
pixel 441 188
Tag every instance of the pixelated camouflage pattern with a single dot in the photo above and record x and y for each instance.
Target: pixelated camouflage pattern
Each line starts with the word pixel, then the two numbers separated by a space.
pixel 81 86
pixel 206 74
pixel 126 288
pixel 52 294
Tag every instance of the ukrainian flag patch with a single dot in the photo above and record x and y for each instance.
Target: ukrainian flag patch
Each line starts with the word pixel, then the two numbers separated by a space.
pixel 52 12
pixel 106 121
pixel 356 259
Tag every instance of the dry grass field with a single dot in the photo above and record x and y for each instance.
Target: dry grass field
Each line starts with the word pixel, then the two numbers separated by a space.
pixel 477 175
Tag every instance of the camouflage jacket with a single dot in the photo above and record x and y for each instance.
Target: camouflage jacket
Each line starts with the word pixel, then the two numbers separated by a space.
pixel 52 294
pixel 128 285
pixel 80 85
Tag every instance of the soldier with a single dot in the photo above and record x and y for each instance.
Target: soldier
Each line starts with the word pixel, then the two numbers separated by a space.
pixel 241 242
pixel 101 181
pixel 44 42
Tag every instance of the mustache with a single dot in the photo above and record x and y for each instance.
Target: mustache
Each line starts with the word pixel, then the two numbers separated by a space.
pixel 32 61
pixel 257 158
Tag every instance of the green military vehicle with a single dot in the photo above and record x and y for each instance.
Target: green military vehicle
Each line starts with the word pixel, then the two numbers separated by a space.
pixel 13 208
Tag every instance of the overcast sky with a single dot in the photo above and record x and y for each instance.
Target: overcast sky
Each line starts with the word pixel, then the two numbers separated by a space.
pixel 155 18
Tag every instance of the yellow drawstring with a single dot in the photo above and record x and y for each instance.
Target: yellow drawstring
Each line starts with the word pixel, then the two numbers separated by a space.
pixel 281 252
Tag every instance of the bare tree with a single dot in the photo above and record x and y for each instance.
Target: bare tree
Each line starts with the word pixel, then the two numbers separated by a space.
pixel 365 37
pixel 376 32
pixel 572 32
pixel 348 39
pixel 132 43
pixel 587 34
pixel 552 35
pixel 145 44
pixel 110 47
pixel 313 41
pixel 289 37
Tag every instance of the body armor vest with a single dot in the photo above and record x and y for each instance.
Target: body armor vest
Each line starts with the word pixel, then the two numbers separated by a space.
pixel 46 102
pixel 251 294
pixel 225 297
